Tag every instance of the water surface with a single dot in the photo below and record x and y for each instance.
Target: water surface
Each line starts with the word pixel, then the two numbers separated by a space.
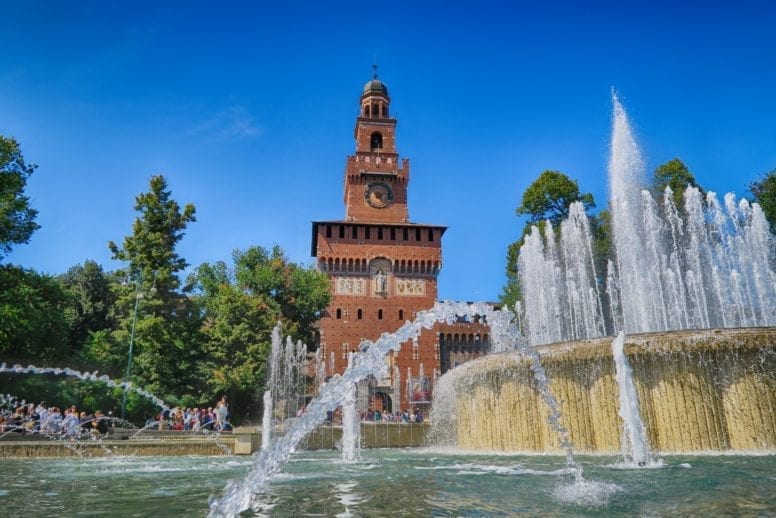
pixel 394 482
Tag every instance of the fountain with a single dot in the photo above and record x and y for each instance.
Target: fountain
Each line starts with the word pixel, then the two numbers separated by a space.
pixel 635 444
pixel 689 286
pixel 351 425
pixel 266 422
pixel 286 387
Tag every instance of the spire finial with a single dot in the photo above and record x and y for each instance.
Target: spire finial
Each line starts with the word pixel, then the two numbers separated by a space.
pixel 374 66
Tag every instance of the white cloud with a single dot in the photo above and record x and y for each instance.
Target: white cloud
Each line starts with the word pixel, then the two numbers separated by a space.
pixel 230 123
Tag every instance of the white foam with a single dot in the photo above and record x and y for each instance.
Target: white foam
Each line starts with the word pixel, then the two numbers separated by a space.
pixel 484 469
pixel 589 493
pixel 655 464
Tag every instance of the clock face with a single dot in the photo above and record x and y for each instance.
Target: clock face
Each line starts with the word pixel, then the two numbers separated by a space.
pixel 378 195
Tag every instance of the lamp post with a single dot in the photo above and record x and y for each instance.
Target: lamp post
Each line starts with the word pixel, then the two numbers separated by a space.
pixel 131 345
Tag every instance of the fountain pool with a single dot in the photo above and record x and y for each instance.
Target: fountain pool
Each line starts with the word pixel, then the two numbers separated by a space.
pixel 403 482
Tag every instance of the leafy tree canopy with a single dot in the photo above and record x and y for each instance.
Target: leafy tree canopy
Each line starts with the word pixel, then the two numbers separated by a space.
pixel 242 304
pixel 17 218
pixel 549 198
pixel 34 316
pixel 92 299
pixel 677 176
pixel 150 250
pixel 764 193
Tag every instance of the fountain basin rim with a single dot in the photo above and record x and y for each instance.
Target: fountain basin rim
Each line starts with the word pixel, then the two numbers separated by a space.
pixel 665 341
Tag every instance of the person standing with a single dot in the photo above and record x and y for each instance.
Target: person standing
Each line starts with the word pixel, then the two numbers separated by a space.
pixel 222 414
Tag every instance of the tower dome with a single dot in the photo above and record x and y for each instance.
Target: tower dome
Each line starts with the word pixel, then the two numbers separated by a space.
pixel 376 86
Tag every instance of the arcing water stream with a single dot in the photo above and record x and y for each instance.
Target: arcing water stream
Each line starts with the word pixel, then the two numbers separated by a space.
pixel 370 361
pixel 86 376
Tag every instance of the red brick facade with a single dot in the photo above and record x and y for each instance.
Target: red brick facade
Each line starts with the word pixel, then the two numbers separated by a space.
pixel 383 268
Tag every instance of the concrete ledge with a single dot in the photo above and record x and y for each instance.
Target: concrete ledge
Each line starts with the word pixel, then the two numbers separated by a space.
pixel 48 448
pixel 241 441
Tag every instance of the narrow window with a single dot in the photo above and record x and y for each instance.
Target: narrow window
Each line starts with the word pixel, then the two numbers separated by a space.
pixel 380 233
pixel 430 234
pixel 342 231
pixel 360 314
pixel 367 232
pixel 417 234
pixel 393 234
pixel 339 313
pixel 376 141
pixel 379 314
pixel 354 234
pixel 328 230
pixel 401 314
pixel 405 235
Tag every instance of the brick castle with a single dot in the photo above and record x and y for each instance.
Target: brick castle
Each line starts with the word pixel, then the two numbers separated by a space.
pixel 384 268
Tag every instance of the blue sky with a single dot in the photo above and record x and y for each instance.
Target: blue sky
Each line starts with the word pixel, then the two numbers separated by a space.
pixel 248 110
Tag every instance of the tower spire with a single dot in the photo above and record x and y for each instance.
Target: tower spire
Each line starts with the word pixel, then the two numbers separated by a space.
pixel 374 66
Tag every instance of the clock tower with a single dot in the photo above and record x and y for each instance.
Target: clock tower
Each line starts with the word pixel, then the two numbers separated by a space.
pixel 375 180
pixel 383 267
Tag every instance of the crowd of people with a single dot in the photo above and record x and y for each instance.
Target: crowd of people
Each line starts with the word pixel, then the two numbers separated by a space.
pixel 72 423
pixel 194 419
pixel 52 420
pixel 375 416
pixel 405 416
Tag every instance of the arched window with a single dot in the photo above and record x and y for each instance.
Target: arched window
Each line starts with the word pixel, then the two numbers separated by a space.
pixel 360 314
pixel 376 141
pixel 366 110
pixel 339 313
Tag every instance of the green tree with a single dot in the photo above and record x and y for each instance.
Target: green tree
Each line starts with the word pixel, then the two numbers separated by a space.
pixel 150 250
pixel 92 300
pixel 764 192
pixel 166 340
pixel 17 218
pixel 242 304
pixel 34 316
pixel 677 176
pixel 550 196
pixel 296 294
pixel 603 241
